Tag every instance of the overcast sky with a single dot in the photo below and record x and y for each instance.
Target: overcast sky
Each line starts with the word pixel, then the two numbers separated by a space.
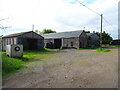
pixel 59 15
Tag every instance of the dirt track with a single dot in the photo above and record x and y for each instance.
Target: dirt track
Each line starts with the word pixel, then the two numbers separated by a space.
pixel 69 69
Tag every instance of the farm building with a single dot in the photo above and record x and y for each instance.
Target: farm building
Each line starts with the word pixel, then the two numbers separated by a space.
pixel 116 42
pixel 72 39
pixel 93 40
pixel 30 40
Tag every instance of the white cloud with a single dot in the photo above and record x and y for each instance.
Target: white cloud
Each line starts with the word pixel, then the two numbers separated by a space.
pixel 59 15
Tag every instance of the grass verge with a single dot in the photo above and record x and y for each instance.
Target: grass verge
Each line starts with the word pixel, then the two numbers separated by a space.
pixel 107 45
pixel 102 50
pixel 84 48
pixel 11 65
pixel 118 46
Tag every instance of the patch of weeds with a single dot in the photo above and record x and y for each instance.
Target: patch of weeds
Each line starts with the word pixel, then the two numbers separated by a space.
pixel 102 50
pixel 10 65
pixel 84 48
pixel 107 45
pixel 118 46
pixel 49 49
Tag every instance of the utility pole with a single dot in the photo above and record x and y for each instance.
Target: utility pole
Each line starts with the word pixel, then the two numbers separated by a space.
pixel 32 30
pixel 101 31
pixel 84 28
pixel 32 27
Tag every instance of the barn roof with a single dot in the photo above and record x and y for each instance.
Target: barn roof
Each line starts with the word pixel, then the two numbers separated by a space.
pixel 89 34
pixel 63 34
pixel 17 34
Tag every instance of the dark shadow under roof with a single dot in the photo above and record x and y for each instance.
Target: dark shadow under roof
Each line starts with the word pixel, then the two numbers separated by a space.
pixel 69 34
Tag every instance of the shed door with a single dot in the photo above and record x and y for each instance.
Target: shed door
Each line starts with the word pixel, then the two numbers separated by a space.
pixel 32 44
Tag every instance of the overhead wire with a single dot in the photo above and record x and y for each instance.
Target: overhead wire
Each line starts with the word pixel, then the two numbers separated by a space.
pixel 94 12
pixel 88 8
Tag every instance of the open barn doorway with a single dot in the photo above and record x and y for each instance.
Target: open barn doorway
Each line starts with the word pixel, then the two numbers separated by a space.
pixel 57 43
pixel 32 44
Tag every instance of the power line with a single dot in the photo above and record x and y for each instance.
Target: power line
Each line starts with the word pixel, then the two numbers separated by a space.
pixel 93 11
pixel 88 8
pixel 101 15
pixel 107 21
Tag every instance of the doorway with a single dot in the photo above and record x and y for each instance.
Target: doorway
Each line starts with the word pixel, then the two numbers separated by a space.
pixel 32 44
pixel 71 44
pixel 57 43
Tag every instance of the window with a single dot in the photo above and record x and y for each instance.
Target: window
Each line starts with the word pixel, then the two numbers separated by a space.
pixel 12 40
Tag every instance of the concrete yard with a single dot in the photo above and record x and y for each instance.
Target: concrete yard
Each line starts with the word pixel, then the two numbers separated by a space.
pixel 69 68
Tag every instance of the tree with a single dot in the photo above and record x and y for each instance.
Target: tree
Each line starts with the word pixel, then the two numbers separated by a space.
pixel 87 31
pixel 36 31
pixel 48 31
pixel 106 38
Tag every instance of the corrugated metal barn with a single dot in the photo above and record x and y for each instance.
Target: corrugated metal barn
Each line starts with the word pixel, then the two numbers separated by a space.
pixel 116 42
pixel 30 40
pixel 93 40
pixel 72 39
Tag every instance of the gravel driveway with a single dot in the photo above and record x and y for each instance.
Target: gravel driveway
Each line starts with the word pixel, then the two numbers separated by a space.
pixel 69 68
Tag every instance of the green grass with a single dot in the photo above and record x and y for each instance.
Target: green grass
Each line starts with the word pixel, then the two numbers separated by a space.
pixel 102 50
pixel 11 65
pixel 32 55
pixel 107 45
pixel 118 46
pixel 84 48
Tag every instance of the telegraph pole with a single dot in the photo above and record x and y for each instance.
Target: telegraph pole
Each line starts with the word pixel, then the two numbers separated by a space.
pixel 84 28
pixel 32 30
pixel 101 31
pixel 32 27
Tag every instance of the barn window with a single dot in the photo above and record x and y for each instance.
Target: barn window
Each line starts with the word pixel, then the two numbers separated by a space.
pixel 12 40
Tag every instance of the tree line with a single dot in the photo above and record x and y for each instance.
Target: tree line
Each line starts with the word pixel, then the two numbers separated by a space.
pixel 44 31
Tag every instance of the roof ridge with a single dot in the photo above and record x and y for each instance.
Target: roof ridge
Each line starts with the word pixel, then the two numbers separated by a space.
pixel 63 34
pixel 17 33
